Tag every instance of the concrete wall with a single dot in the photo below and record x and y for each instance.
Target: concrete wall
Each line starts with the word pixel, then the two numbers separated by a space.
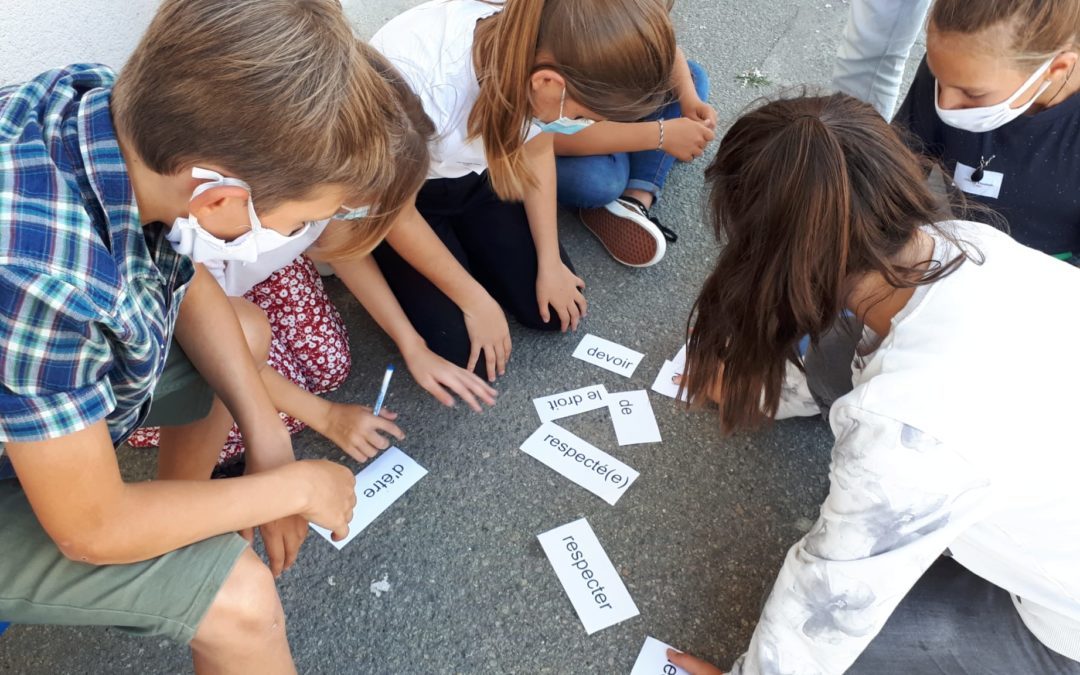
pixel 36 35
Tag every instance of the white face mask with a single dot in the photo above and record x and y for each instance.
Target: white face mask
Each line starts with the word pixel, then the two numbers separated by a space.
pixel 988 118
pixel 189 238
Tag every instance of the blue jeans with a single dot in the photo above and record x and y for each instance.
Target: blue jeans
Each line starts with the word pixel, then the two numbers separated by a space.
pixel 595 180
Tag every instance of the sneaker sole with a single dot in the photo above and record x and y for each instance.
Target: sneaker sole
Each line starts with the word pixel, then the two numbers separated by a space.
pixel 628 239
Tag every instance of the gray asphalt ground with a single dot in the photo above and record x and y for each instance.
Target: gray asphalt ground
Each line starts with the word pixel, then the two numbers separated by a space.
pixel 698 538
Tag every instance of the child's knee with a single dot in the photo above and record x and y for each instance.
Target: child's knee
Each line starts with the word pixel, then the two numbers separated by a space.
pixel 701 80
pixel 256 327
pixel 591 181
pixel 246 609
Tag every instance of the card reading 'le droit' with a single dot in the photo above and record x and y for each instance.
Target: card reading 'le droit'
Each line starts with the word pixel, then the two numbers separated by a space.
pixel 587 575
pixel 608 355
pixel 570 403
pixel 581 462
pixel 377 487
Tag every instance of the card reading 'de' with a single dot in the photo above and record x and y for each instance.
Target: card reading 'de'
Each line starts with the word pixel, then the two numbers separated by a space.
pixel 632 415
pixel 378 486
pixel 608 355
pixel 570 403
pixel 653 660
pixel 587 575
pixel 581 462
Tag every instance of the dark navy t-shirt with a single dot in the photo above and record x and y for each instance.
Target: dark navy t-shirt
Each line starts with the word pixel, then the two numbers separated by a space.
pixel 1038 157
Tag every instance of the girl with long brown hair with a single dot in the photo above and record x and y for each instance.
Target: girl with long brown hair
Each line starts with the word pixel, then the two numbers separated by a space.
pixel 949 532
pixel 498 80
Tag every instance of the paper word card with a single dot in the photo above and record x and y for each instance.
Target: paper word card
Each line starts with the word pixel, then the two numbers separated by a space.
pixel 587 575
pixel 665 380
pixel 633 417
pixel 570 403
pixel 608 355
pixel 581 462
pixel 378 486
pixel 653 660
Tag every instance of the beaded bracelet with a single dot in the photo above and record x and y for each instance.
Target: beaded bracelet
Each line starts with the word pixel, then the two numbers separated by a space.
pixel 660 146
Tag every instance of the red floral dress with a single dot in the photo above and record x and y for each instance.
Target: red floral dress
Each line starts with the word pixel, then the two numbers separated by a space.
pixel 310 345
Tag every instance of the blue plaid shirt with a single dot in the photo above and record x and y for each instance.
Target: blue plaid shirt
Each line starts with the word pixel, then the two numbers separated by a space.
pixel 88 296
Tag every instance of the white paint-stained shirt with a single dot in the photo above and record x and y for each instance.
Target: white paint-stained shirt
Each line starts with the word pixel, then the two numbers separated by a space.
pixel 959 435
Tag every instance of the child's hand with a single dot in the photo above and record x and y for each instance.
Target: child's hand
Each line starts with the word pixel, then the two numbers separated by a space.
pixel 685 139
pixel 560 288
pixel 715 393
pixel 359 433
pixel 329 494
pixel 692 664
pixel 699 111
pixel 488 333
pixel 282 540
pixel 436 375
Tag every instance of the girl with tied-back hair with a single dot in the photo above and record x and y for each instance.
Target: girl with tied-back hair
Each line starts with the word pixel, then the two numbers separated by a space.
pixel 499 80
pixel 949 541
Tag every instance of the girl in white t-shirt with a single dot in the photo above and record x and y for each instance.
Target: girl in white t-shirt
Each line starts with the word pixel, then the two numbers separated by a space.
pixel 268 274
pixel 499 80
pixel 949 534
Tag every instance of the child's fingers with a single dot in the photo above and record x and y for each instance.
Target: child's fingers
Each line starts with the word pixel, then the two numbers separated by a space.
pixel 474 356
pixel 692 664
pixel 490 359
pixel 340 533
pixel 248 533
pixel 466 395
pixel 500 358
pixel 564 318
pixel 434 387
pixel 390 429
pixel 545 312
pixel 575 315
pixel 275 550
pixel 388 414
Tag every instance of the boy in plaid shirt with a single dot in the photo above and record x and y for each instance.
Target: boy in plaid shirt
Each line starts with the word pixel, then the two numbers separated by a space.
pixel 222 126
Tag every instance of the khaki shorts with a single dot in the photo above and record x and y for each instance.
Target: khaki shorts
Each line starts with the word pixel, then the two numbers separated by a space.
pixel 166 596
pixel 181 395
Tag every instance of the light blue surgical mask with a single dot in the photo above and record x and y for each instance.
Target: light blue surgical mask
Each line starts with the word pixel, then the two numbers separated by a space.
pixel 563 125
pixel 350 213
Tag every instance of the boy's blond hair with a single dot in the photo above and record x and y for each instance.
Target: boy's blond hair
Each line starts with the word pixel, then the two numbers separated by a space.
pixel 277 92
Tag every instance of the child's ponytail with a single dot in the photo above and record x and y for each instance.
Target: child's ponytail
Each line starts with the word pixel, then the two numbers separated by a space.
pixel 506 51
pixel 616 57
pixel 809 193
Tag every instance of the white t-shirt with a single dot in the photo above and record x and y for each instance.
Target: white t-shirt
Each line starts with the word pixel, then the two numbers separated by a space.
pixel 238 278
pixel 431 45
pixel 960 433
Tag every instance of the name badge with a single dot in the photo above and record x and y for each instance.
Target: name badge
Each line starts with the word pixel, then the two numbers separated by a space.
pixel 989 186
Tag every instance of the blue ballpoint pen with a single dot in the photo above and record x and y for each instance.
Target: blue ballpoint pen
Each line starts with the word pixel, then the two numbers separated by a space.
pixel 383 390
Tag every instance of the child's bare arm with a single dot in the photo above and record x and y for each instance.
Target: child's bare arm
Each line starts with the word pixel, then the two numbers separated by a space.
pixel 208 330
pixel 74 485
pixel 556 285
pixel 683 84
pixel 432 372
